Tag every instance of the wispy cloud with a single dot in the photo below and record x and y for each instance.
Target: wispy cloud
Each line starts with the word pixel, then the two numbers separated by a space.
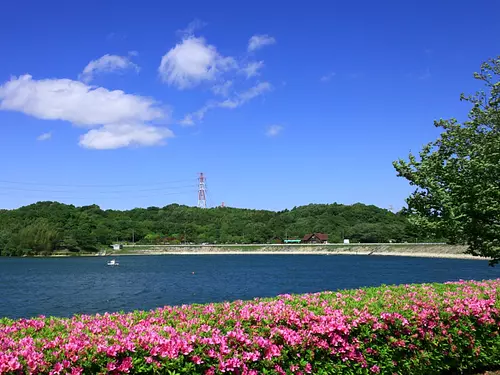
pixel 255 91
pixel 327 77
pixel 274 130
pixel 107 64
pixel 115 36
pixel 355 75
pixel 117 119
pixel 425 75
pixel 44 137
pixel 421 75
pixel 194 25
pixel 188 120
pixel 252 68
pixel 258 41
pixel 222 89
pixel 238 100
pixel 247 95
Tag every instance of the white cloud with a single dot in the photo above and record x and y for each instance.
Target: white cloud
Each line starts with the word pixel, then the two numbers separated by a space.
pixel 44 136
pixel 107 64
pixel 274 130
pixel 327 77
pixel 229 103
pixel 124 116
pixel 124 135
pixel 76 102
pixel 259 41
pixel 252 69
pixel 194 25
pixel 254 92
pixel 193 61
pixel 237 101
pixel 191 118
pixel 187 120
pixel 222 89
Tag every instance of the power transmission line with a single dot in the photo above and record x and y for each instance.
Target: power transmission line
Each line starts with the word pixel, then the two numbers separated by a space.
pixel 116 197
pixel 89 186
pixel 74 193
pixel 95 192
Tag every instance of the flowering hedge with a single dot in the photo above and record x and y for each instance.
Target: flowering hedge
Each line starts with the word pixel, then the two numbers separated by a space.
pixel 409 329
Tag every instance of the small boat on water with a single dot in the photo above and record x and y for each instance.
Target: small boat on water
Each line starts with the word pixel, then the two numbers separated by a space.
pixel 113 262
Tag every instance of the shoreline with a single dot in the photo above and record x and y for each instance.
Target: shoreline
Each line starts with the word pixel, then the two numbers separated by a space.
pixel 441 251
pixel 307 252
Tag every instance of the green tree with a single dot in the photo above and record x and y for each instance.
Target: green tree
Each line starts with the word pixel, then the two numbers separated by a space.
pixel 4 239
pixel 152 238
pixel 457 177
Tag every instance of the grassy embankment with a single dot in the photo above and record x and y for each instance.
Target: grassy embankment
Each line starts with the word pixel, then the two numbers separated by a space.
pixel 409 329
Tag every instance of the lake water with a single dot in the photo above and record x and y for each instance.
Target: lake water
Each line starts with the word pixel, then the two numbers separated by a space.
pixel 66 286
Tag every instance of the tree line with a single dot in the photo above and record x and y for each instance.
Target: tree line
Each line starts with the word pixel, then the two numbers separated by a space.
pixel 45 227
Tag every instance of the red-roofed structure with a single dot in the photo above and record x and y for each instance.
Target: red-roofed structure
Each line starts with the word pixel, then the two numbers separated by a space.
pixel 315 238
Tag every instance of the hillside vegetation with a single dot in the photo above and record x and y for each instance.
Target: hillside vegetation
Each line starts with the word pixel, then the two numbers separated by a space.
pixel 45 227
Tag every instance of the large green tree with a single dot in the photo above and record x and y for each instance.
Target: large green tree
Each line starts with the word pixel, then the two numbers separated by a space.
pixel 457 177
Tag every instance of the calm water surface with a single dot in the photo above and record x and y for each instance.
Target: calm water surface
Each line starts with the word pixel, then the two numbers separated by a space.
pixel 66 286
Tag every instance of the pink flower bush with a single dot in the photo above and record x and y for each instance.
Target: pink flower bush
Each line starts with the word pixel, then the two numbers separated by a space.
pixel 408 329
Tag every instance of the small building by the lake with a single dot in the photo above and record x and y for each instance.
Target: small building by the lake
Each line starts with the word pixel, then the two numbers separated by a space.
pixel 117 246
pixel 315 238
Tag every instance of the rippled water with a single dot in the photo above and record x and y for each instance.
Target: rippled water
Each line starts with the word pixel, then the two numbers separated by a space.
pixel 65 286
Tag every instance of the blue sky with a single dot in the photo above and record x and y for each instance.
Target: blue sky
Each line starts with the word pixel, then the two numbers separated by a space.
pixel 280 104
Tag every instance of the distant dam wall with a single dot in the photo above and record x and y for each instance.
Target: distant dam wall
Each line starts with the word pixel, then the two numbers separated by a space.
pixel 424 250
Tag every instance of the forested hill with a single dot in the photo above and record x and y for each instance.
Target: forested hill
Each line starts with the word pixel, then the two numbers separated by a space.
pixel 47 226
